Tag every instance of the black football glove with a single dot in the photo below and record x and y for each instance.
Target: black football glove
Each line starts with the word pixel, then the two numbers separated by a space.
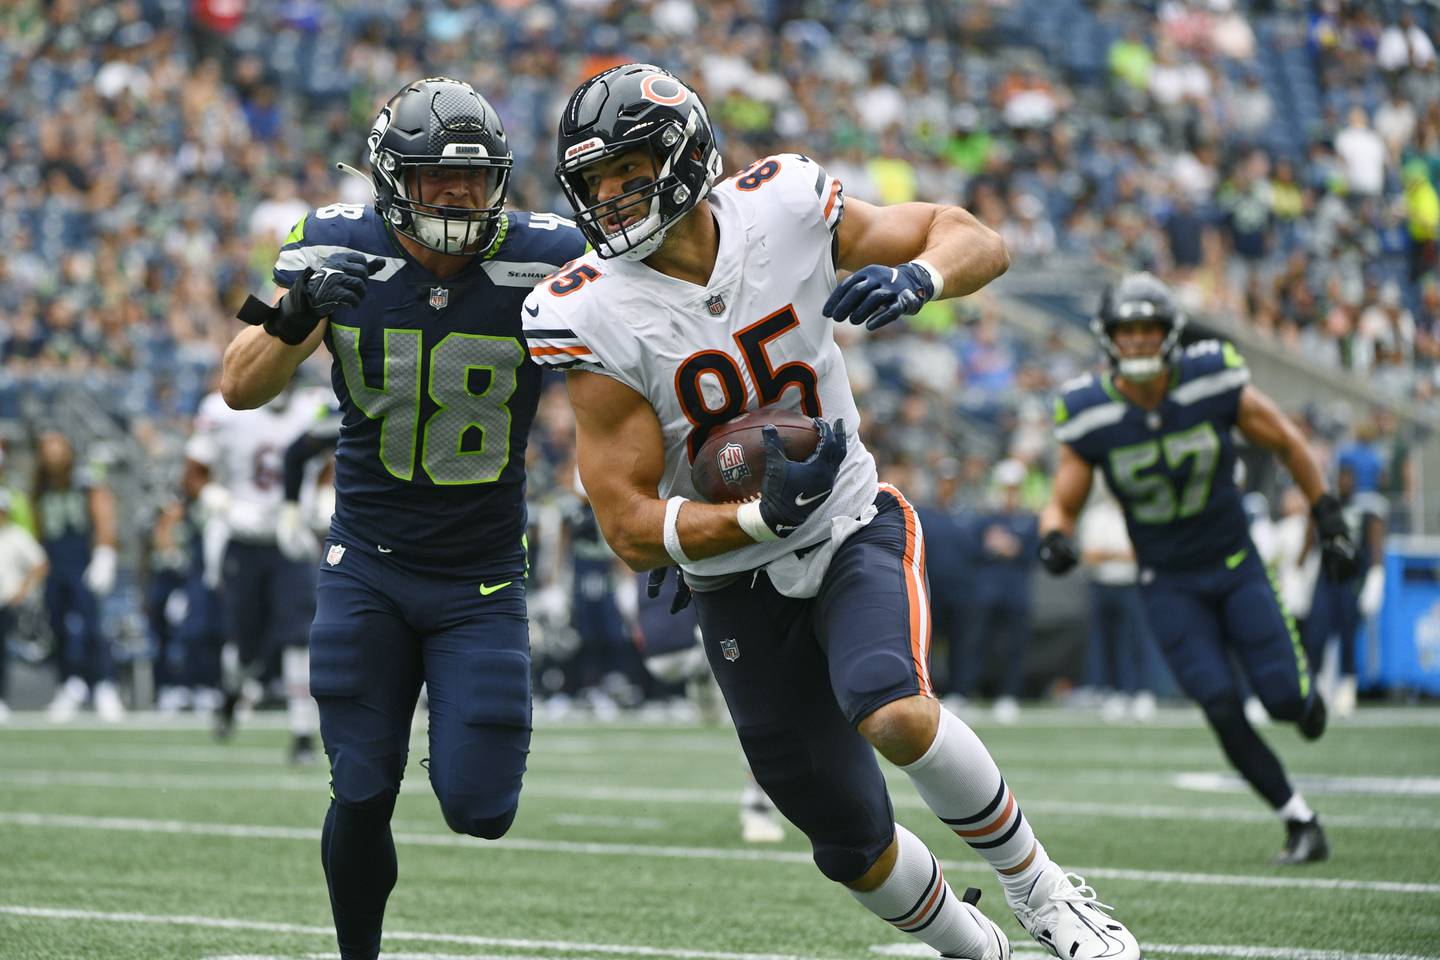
pixel 792 490
pixel 877 294
pixel 653 585
pixel 338 282
pixel 1338 556
pixel 1057 553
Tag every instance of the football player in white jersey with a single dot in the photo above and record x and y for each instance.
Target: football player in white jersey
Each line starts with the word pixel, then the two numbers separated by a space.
pixel 703 299
pixel 267 599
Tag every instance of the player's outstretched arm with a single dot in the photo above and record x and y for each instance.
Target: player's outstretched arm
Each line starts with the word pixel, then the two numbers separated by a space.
pixel 622 458
pixel 1073 477
pixel 1267 427
pixel 907 254
pixel 1262 423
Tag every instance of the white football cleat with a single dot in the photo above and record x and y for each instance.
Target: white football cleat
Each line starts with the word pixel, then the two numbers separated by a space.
pixel 107 702
pixel 68 698
pixel 1070 921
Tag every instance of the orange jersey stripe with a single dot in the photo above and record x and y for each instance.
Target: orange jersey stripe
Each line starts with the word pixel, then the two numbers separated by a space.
pixel 552 351
pixel 830 201
pixel 995 824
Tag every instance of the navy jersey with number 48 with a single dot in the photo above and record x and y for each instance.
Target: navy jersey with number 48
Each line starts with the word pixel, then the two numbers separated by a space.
pixel 1172 468
pixel 435 388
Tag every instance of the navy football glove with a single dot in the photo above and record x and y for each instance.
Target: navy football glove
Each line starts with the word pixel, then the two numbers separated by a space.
pixel 876 295
pixel 316 293
pixel 653 585
pixel 1338 556
pixel 1057 553
pixel 792 490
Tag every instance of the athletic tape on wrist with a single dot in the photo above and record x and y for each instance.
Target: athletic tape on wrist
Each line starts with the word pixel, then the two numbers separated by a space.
pixel 936 279
pixel 753 523
pixel 672 532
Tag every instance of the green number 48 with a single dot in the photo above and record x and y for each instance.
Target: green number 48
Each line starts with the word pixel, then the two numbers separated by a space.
pixel 396 402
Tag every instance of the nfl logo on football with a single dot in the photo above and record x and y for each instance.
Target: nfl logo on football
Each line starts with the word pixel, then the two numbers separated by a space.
pixel 731 648
pixel 731 459
pixel 439 297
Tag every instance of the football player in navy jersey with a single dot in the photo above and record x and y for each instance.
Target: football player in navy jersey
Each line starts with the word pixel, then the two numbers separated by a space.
pixel 417 296
pixel 1159 425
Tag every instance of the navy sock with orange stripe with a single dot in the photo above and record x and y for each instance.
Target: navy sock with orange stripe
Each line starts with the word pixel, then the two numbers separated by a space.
pixel 959 781
pixel 915 899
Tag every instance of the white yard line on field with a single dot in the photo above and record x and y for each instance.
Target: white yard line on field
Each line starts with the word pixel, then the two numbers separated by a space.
pixel 1240 952
pixel 642 797
pixel 669 852
pixel 392 936
pixel 569 949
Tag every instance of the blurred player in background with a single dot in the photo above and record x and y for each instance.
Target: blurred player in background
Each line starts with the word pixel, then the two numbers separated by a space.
pixel 812 598
pixel 1159 425
pixel 75 517
pixel 23 569
pixel 417 297
pixel 674 652
pixel 267 599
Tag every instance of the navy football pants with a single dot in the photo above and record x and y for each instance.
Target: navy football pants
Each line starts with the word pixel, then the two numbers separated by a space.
pixel 380 631
pixel 798 675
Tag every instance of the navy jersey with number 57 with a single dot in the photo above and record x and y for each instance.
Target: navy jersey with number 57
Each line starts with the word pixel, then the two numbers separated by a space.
pixel 1172 468
pixel 436 392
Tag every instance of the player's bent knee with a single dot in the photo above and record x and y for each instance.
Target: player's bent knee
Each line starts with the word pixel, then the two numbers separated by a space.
pixel 462 818
pixel 848 864
pixel 902 730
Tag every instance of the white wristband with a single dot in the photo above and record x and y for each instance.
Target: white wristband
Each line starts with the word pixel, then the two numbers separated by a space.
pixel 936 279
pixel 754 525
pixel 672 531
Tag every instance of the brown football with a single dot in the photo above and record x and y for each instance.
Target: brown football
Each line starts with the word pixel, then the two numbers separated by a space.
pixel 731 462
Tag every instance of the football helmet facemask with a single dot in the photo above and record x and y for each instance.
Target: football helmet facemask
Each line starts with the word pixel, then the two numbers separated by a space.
pixel 1138 298
pixel 632 107
pixel 432 127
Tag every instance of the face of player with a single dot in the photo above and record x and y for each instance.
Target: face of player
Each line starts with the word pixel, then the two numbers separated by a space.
pixel 612 177
pixel 55 455
pixel 440 186
pixel 1140 339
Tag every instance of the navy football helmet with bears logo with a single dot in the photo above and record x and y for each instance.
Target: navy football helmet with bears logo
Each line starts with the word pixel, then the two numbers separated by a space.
pixel 427 130
pixel 1136 298
pixel 636 106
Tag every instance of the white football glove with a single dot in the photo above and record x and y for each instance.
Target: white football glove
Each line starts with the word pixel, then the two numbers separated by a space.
pixel 99 576
pixel 293 535
pixel 1372 594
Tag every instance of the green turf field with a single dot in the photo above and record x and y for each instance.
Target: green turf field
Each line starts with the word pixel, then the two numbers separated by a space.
pixel 148 841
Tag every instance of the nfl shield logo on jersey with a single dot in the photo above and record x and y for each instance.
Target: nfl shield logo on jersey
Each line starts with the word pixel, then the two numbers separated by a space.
pixel 439 297
pixel 715 304
pixel 731 459
pixel 731 648
pixel 337 551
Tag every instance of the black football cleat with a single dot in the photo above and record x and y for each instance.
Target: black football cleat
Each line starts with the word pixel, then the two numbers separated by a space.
pixel 1312 721
pixel 225 715
pixel 1304 843
pixel 302 750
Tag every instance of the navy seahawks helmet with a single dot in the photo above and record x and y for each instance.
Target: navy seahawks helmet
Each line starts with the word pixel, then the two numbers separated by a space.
pixel 630 106
pixel 438 122
pixel 1134 298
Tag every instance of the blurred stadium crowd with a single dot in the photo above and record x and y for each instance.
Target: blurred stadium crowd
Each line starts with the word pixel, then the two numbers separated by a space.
pixel 1277 160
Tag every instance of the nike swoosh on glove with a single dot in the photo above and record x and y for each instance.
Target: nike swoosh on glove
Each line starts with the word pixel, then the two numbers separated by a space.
pixel 793 490
pixel 876 295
